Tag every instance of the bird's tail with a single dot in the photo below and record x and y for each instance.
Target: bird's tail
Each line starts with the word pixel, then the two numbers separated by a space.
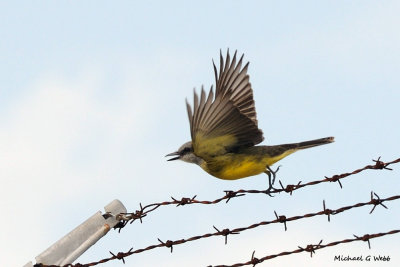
pixel 308 144
pixel 276 153
pixel 316 142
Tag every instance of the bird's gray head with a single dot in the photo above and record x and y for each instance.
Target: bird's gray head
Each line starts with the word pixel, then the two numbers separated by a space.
pixel 185 153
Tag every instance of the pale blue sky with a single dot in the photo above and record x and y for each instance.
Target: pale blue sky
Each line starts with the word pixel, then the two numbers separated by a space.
pixel 92 98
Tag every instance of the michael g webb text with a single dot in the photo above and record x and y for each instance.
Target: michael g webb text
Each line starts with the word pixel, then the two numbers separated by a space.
pixel 362 258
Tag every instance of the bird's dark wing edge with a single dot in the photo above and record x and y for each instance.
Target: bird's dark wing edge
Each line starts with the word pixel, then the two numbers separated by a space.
pixel 221 124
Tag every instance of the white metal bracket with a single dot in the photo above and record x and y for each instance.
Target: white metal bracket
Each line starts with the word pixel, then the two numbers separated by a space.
pixel 75 243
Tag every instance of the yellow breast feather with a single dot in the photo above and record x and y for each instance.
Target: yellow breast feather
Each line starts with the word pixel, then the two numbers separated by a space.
pixel 235 166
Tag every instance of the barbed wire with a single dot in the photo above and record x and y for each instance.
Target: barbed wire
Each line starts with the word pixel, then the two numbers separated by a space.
pixel 126 218
pixel 374 201
pixel 310 248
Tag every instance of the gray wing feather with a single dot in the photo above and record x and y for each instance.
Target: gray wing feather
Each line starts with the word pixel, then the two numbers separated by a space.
pixel 231 111
pixel 236 83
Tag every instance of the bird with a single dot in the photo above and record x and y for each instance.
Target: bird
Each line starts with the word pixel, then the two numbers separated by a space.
pixel 224 129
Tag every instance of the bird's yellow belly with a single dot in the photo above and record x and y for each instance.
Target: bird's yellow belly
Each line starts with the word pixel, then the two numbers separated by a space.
pixel 236 169
pixel 232 167
pixel 244 169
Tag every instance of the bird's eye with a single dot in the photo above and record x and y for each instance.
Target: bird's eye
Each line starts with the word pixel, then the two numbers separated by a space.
pixel 185 150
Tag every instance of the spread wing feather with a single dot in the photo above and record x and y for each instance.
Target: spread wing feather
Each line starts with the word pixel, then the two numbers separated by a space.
pixel 227 121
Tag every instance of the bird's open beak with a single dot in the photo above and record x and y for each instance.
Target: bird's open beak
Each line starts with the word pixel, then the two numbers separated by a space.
pixel 173 154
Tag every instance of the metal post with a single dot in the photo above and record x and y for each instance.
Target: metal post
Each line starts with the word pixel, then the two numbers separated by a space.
pixel 75 243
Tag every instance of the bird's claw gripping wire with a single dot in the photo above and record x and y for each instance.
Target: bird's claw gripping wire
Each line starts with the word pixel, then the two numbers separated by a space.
pixel 271 179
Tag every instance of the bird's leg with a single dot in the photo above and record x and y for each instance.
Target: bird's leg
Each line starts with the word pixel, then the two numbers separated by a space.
pixel 273 173
pixel 271 178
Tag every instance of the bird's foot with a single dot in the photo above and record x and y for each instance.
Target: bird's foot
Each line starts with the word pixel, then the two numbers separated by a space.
pixel 271 179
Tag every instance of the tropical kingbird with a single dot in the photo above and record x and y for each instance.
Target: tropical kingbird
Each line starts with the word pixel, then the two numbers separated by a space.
pixel 225 131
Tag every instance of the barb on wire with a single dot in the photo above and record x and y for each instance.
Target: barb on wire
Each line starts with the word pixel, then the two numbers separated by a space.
pixel 229 194
pixel 279 219
pixel 167 244
pixel 225 233
pixel 376 201
pixel 310 248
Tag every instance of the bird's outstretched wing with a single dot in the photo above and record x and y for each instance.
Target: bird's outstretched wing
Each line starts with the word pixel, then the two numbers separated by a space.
pixel 227 121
